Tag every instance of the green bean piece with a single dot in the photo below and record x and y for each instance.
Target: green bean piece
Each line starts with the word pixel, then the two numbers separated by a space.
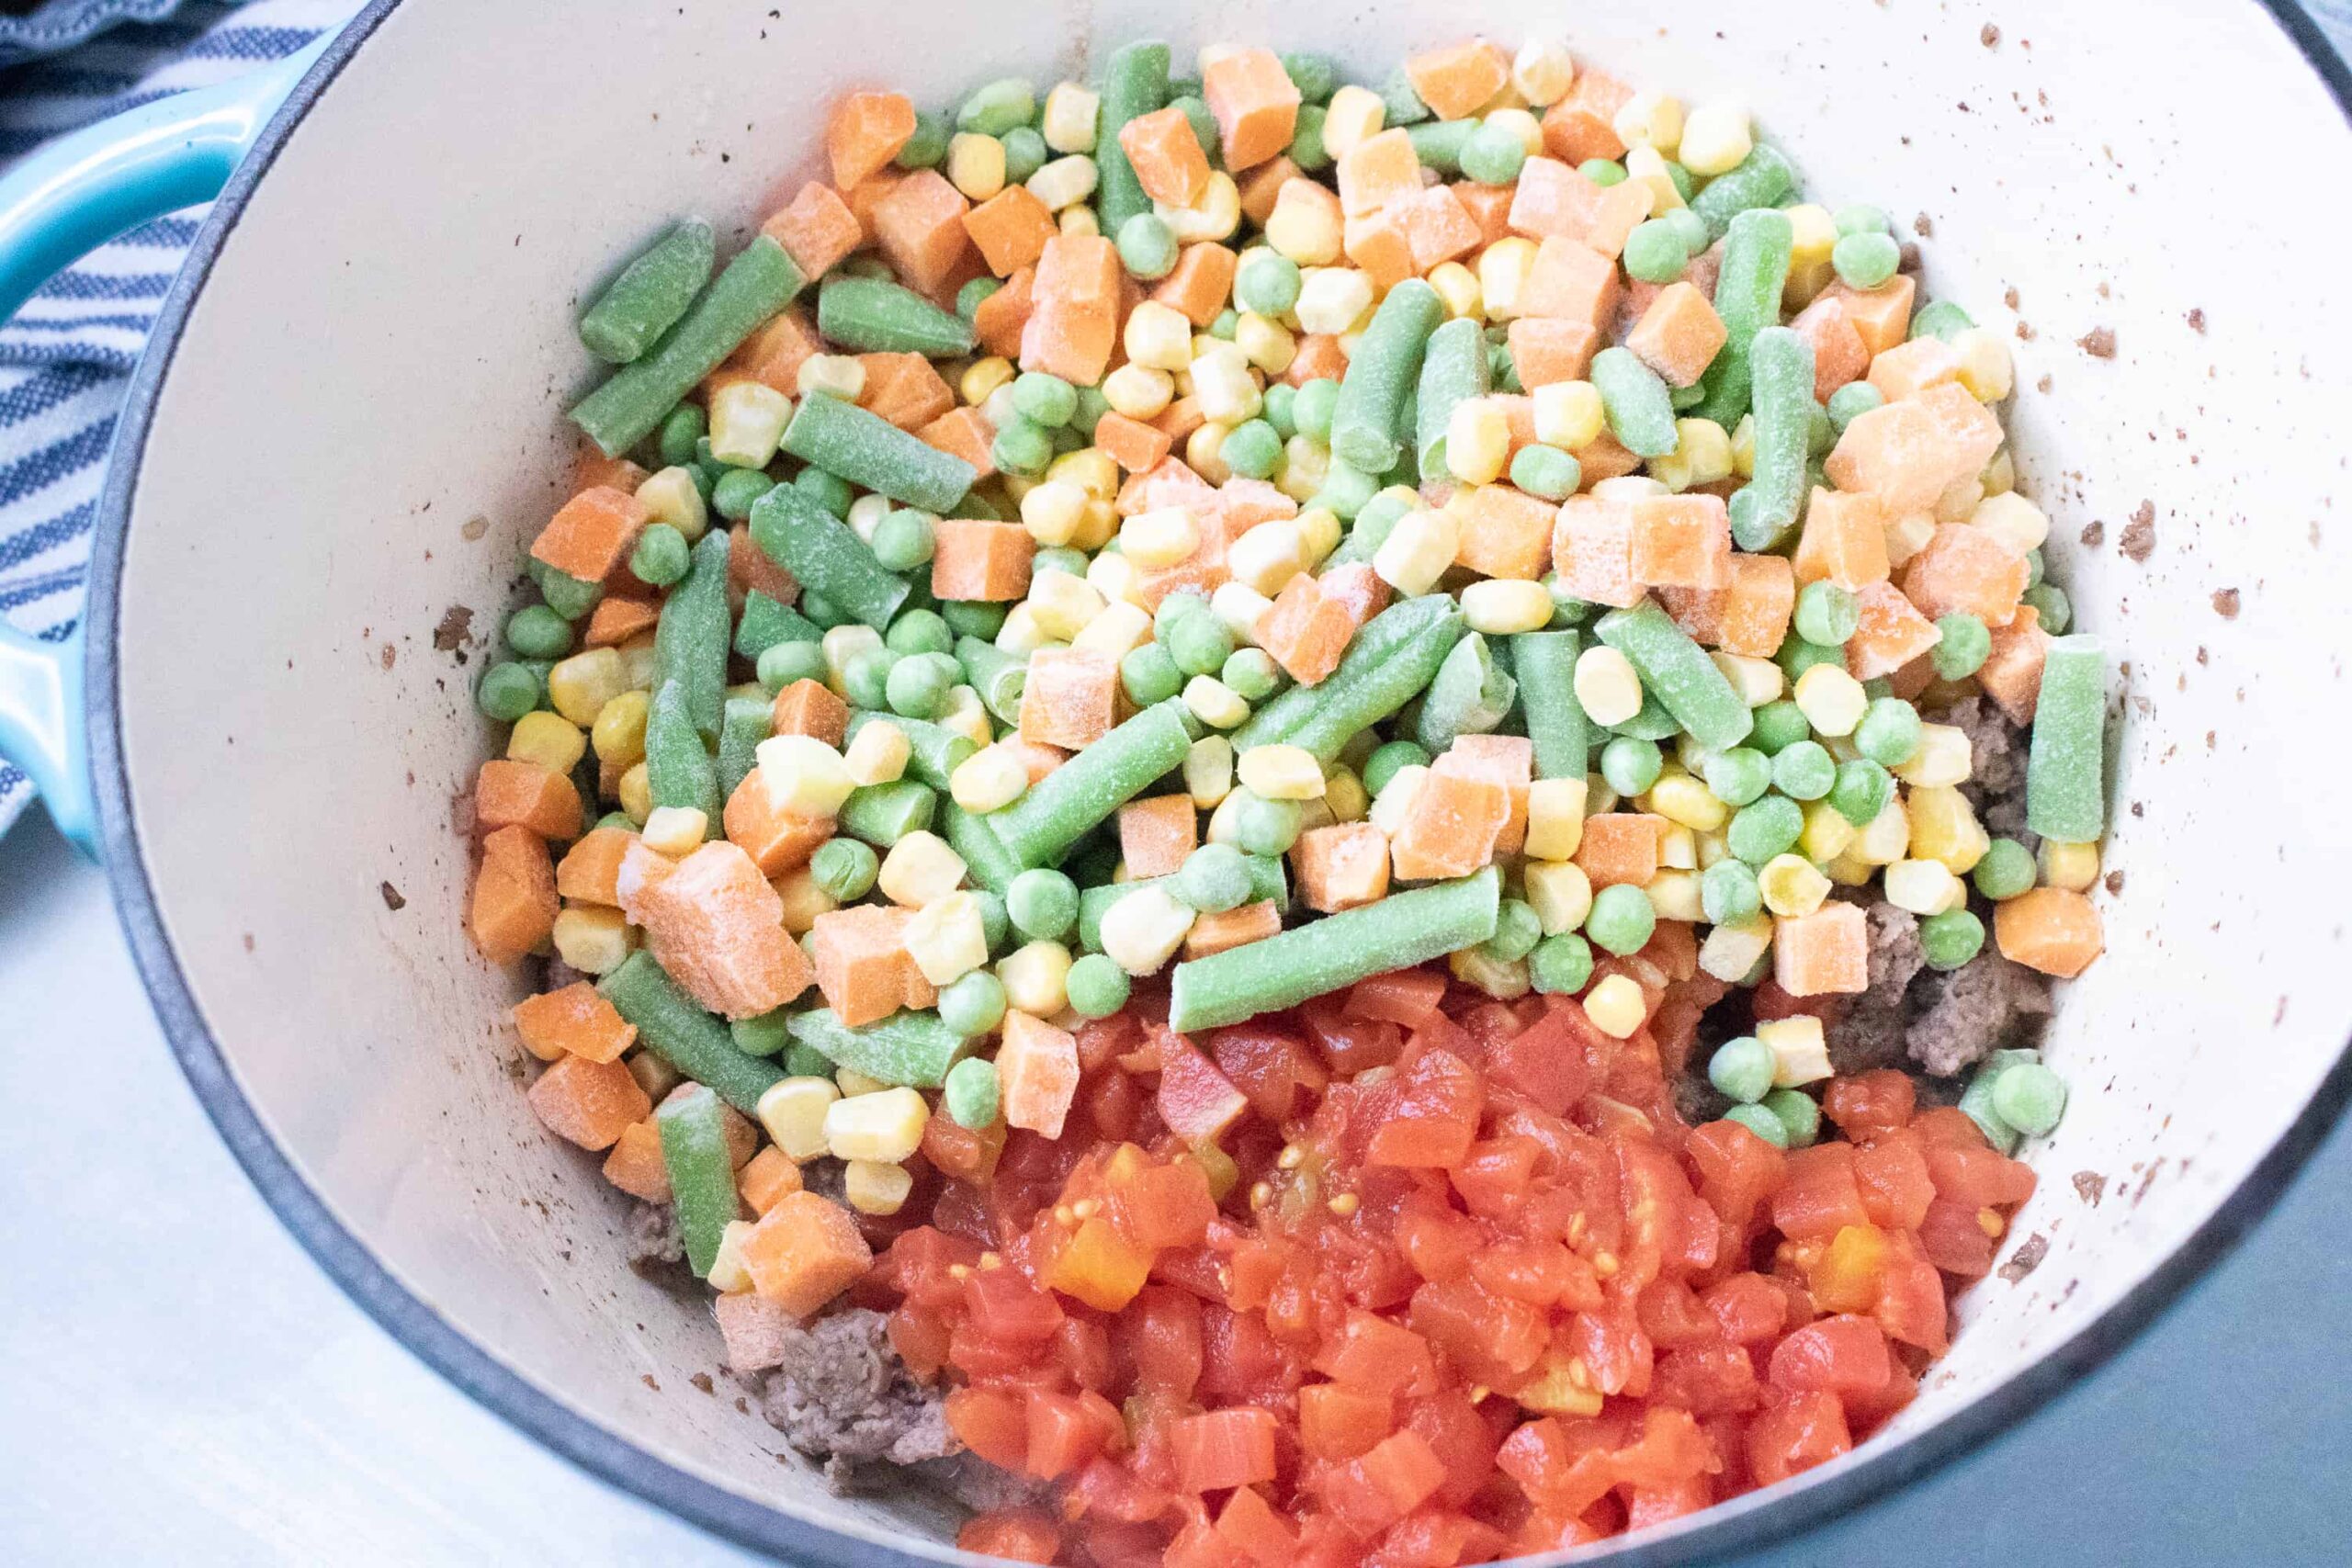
pixel 883 814
pixel 1268 879
pixel 1470 695
pixel 1747 297
pixel 1760 180
pixel 1348 708
pixel 678 768
pixel 1641 412
pixel 986 860
pixel 1765 510
pixel 937 754
pixel 690 640
pixel 913 1049
pixel 1376 641
pixel 1678 672
pixel 746 722
pixel 1059 811
pixel 1454 368
pixel 760 281
pixel 825 555
pixel 1293 967
pixel 995 675
pixel 1373 523
pixel 868 450
pixel 650 294
pixel 1367 424
pixel 868 316
pixel 701 1176
pixel 1133 84
pixel 675 1027
pixel 766 623
pixel 2065 795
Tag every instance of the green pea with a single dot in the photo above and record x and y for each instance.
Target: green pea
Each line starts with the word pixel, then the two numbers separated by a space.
pixel 1951 939
pixel 1060 558
pixel 1798 1115
pixel 1213 879
pixel 536 632
pixel 1761 1123
pixel 1696 236
pixel 1826 614
pixel 1799 654
pixel 732 496
pixel 2051 603
pixel 2005 870
pixel 972 1093
pixel 1941 319
pixel 1253 450
pixel 1546 472
pixel 1962 646
pixel 1147 246
pixel 920 631
pixel 1852 400
pixel 1631 765
pixel 1195 110
pixel 1400 100
pixel 1656 252
pixel 2034 568
pixel 972 1002
pixel 903 540
pixel 1267 826
pixel 1741 1069
pixel 867 678
pixel 1313 75
pixel 1225 324
pixel 1861 217
pixel 1728 892
pixel 763 1036
pixel 1200 645
pixel 2030 1097
pixel 1765 829
pixel 1866 259
pixel 1778 726
pixel 1048 401
pixel 996 923
pixel 1267 284
pixel 507 692
pixel 1091 406
pixel 821 610
pixel 1021 448
pixel 1737 776
pixel 1684 184
pixel 1804 770
pixel 1346 488
pixel 1889 732
pixel 784 662
pixel 1279 402
pixel 1024 153
pixel 1602 172
pixel 1312 411
pixel 974 293
pixel 825 488
pixel 844 868
pixel 1494 154
pixel 1862 792
pixel 916 688
pixel 995 107
pixel 1043 905
pixel 1517 932
pixel 1622 919
pixel 1561 964
pixel 1149 675
pixel 1382 765
pixel 1096 985
pixel 802 1061
pixel 1306 149
pixel 927 148
pixel 661 555
pixel 681 428
pixel 969 617
pixel 1252 674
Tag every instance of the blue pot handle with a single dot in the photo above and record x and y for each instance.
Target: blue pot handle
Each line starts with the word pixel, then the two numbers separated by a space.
pixel 71 195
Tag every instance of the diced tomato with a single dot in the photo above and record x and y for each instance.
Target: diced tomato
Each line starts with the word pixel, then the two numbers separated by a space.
pixel 1713 1378
pixel 1911 1304
pixel 1198 1545
pixel 1948 1126
pixel 963 1154
pixel 1406 996
pixel 1163 1340
pixel 1370 1352
pixel 1491 1337
pixel 1431 1113
pixel 1865 1413
pixel 1843 1354
pixel 1066 1430
pixel 1433 1538
pixel 1821 1195
pixel 1648 1506
pixel 1672 1315
pixel 1165 1205
pixel 1980 1179
pixel 1113 1103
pixel 1021 1534
pixel 1197 1101
pixel 1224 1448
pixel 992 1423
pixel 1894 1175
pixel 1337 1422
pixel 1540 1272
pixel 1272 1065
pixel 1239 1359
pixel 1545 1063
pixel 1435 1240
pixel 1101 1041
pixel 1493 1178
pixel 1391 1479
pixel 1868 1103
pixel 1795 1433
pixel 1251 1526
pixel 1616 1353
pixel 1349 1044
pixel 1750 1308
pixel 1458 1435
pixel 1954 1238
pixel 1657 1200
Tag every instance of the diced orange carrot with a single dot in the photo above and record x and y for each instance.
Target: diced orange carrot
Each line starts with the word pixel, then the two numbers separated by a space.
pixel 1074 324
pixel 2052 930
pixel 1839 356
pixel 777 841
pixel 1489 207
pixel 1200 285
pixel 1320 358
pixel 575 1018
pixel 1037 1067
pixel 592 533
pixel 1376 242
pixel 588 870
pixel 1255 103
pixel 1133 444
pixel 1823 954
pixel 1678 334
pixel 1620 847
pixel 2011 673
pixel 1890 635
pixel 1506 760
pixel 591 470
pixel 1592 550
pixel 1232 929
pixel 773 354
pixel 920 228
pixel 963 433
pixel 1605 458
pixel 1167 155
pixel 619 617
pixel 1180 419
pixel 1681 541
pixel 1166 484
pixel 1570 280
pixel 1502 532
pixel 1438 227
pixel 1907 452
pixel 514 901
pixel 1583 125
pixel 589 1103
pixel 862 965
pixel 1261 187
pixel 1037 759
pixel 810 707
pixel 749 567
pixel 1305 630
pixel 718 927
pixel 1545 351
pixel 1908 680
pixel 974 559
pixel 1343 866
pixel 1001 317
pixel 868 193
pixel 1377 170
pixel 1156 833
pixel 765 1178
pixel 904 390
pixel 1844 540
pixel 1011 228
pixel 817 230
pixel 1457 81
pixel 509 794
pixel 635 1165
pixel 1881 316
pixel 1965 568
pixel 1072 697
pixel 642 870
pixel 864 131
pixel 1357 589
pixel 1451 828
pixel 1557 200
pixel 1909 368
pixel 804 1252
pixel 1242 504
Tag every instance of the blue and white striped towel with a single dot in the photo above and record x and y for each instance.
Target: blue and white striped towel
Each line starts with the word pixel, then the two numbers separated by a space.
pixel 66 358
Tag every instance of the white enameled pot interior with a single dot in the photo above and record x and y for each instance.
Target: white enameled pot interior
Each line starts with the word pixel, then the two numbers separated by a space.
pixel 361 428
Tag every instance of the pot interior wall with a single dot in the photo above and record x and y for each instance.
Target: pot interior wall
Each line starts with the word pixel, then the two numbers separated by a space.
pixel 362 426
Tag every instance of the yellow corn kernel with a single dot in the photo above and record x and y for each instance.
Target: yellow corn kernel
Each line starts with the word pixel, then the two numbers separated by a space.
pixel 1355 116
pixel 1651 118
pixel 1646 167
pixel 1701 456
pixel 989 780
pixel 2071 866
pixel 1674 895
pixel 1063 605
pixel 1021 636
pixel 1213 703
pixel 618 734
pixel 2000 477
pixel 1792 886
pixel 1849 870
pixel 581 685
pixel 1681 798
pixel 1715 138
pixel 1814 235
pixel 747 420
pixel 1942 760
pixel 1906 536
pixel 1607 687
pixel 1542 70
pixel 1306 462
pixel 1079 223
pixel 1204 452
pixel 673 497
pixel 1826 833
pixel 1225 386
pixel 1344 794
pixel 1051 512
pixel 1069 118
pixel 1265 342
pixel 792 1112
pixel 1985 366
pixel 1503 267
pixel 2017 523
pixel 1758 680
pixel 1239 605
pixel 919 869
pixel 654 1075
pixel 550 740
pixel 729 1275
pixel 1832 701
pixel 1281 773
pixel 1885 838
pixel 1457 288
pixel 1629 487
pixel 1268 555
pixel 1208 770
pixel 885 1125
pixel 1478 441
pixel 966 715
pixel 1567 414
pixel 1157 337
pixel 866 514
pixel 1117 629
pixel 635 793
pixel 1677 849
pixel 1800 1050
pixel 854 1083
pixel 1144 928
pixel 876 1187
pixel 1944 828
pixel 840 375
pixel 1394 804
pixel 590 939
pixel 1138 392
pixel 1035 977
pixel 1743 446
pixel 1159 538
pixel 947 939
pixel 803 900
pixel 1732 952
pixel 1506 606
pixel 1304 232
pixel 984 378
pixel 1330 298
pixel 1091 469
pixel 976 165
pixel 1711 848
pixel 1503 980
pixel 1615 1006
pixel 803 775
pixel 841 646
pixel 1554 818
pixel 1597 796
pixel 1519 122
pixel 1924 887
pixel 1319 531
pixel 676 830
pixel 1959 500
pixel 877 753
pixel 1214 216
pixel 1418 551
pixel 1559 892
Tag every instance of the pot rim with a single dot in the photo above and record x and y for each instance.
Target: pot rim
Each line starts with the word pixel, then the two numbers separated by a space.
pixel 1752 1521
